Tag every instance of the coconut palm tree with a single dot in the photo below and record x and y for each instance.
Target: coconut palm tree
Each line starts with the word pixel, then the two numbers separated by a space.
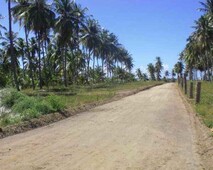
pixel 158 68
pixel 13 58
pixel 139 74
pixel 41 18
pixel 7 52
pixel 1 26
pixel 20 14
pixel 151 70
pixel 91 41
pixel 67 27
pixel 178 68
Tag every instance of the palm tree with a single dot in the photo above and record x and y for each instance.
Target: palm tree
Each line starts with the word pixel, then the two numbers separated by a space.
pixel 139 74
pixel 91 40
pixel 20 13
pixel 204 35
pixel 207 7
pixel 178 68
pixel 166 74
pixel 22 47
pixel 158 68
pixel 5 43
pixel 67 27
pixel 13 58
pixel 173 74
pixel 40 19
pixel 1 26
pixel 151 70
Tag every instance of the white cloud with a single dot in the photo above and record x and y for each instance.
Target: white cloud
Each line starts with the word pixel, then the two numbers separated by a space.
pixel 165 67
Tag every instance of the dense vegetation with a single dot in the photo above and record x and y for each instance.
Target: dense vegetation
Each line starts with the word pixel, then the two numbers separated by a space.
pixel 196 60
pixel 198 53
pixel 63 45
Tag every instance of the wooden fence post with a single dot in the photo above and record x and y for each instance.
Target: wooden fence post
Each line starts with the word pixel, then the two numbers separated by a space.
pixel 185 84
pixel 198 92
pixel 191 91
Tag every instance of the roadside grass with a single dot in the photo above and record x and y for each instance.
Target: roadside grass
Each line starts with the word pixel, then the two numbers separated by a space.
pixel 24 107
pixel 30 104
pixel 205 108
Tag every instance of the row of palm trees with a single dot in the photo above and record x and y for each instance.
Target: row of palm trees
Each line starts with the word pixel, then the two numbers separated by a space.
pixel 198 53
pixel 154 71
pixel 61 44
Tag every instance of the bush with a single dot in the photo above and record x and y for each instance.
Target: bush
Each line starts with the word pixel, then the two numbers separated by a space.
pixel 30 114
pixel 10 97
pixel 10 119
pixel 56 102
pixel 23 104
pixel 44 107
pixel 25 107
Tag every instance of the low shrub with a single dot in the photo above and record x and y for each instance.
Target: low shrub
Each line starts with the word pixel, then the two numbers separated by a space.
pixel 10 96
pixel 44 107
pixel 10 119
pixel 30 114
pixel 56 102
pixel 25 107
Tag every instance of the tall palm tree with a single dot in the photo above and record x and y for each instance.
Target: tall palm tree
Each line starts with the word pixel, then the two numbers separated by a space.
pixel 207 7
pixel 13 58
pixel 67 23
pixel 91 40
pixel 139 74
pixel 158 68
pixel 178 68
pixel 5 43
pixel 151 70
pixel 20 14
pixel 22 47
pixel 40 19
pixel 204 35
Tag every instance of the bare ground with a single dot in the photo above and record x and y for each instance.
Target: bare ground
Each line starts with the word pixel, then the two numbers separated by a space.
pixel 153 129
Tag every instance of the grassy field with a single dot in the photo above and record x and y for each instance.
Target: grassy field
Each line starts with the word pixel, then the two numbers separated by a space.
pixel 31 104
pixel 75 96
pixel 205 108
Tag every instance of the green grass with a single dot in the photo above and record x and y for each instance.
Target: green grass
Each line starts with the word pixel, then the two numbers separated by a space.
pixel 89 94
pixel 205 107
pixel 30 104
pixel 24 107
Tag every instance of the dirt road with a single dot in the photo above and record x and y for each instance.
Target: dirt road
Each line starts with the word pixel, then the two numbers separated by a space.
pixel 149 130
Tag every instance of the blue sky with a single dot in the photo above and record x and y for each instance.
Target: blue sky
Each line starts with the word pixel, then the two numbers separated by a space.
pixel 147 28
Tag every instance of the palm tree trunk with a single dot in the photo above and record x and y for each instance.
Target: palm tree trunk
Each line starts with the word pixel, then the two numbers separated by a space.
pixel 65 66
pixel 13 60
pixel 88 66
pixel 102 65
pixel 93 77
pixel 39 59
pixel 22 58
pixel 45 69
pixel 29 58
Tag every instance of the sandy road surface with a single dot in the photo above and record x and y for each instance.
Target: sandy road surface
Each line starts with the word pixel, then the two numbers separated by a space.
pixel 149 130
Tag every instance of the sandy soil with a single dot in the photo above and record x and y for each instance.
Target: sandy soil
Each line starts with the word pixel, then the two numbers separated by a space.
pixel 149 130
